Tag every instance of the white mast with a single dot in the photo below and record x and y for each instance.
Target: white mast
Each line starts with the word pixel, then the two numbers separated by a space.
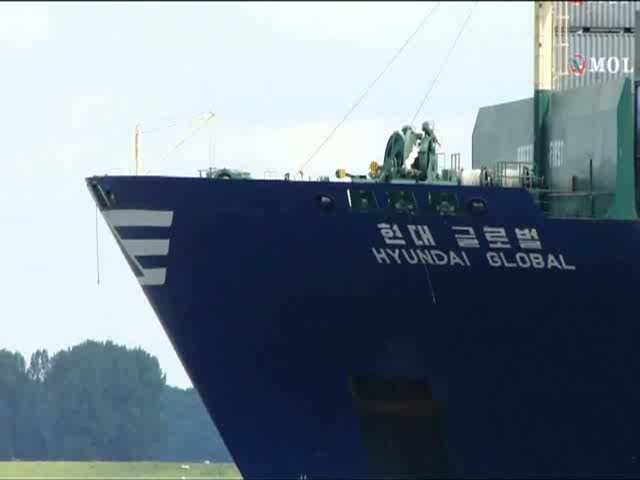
pixel 136 151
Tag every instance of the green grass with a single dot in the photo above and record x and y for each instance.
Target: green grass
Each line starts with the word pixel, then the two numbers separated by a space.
pixel 89 470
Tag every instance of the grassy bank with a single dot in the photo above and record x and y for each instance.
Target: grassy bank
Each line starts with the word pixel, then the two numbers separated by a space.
pixel 89 470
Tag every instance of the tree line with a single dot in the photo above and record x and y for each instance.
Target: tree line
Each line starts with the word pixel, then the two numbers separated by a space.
pixel 100 401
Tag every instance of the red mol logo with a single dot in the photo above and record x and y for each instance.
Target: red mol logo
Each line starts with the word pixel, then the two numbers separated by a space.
pixel 578 64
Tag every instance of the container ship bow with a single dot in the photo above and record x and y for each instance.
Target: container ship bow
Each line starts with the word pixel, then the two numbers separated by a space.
pixel 418 321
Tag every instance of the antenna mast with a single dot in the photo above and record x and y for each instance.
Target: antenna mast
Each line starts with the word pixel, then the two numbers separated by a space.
pixel 200 122
pixel 136 150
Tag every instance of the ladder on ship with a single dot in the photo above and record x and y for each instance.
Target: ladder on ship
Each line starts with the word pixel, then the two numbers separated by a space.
pixel 560 66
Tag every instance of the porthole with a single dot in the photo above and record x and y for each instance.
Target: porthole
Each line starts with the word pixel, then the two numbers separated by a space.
pixel 477 206
pixel 325 202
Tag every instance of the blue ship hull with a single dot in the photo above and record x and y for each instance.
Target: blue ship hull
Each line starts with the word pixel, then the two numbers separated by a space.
pixel 320 351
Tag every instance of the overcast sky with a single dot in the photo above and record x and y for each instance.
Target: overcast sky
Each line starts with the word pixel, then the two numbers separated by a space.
pixel 76 78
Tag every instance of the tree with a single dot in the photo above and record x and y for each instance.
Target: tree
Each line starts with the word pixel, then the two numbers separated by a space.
pixel 192 434
pixel 106 399
pixel 34 415
pixel 13 380
pixel 39 366
pixel 100 401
